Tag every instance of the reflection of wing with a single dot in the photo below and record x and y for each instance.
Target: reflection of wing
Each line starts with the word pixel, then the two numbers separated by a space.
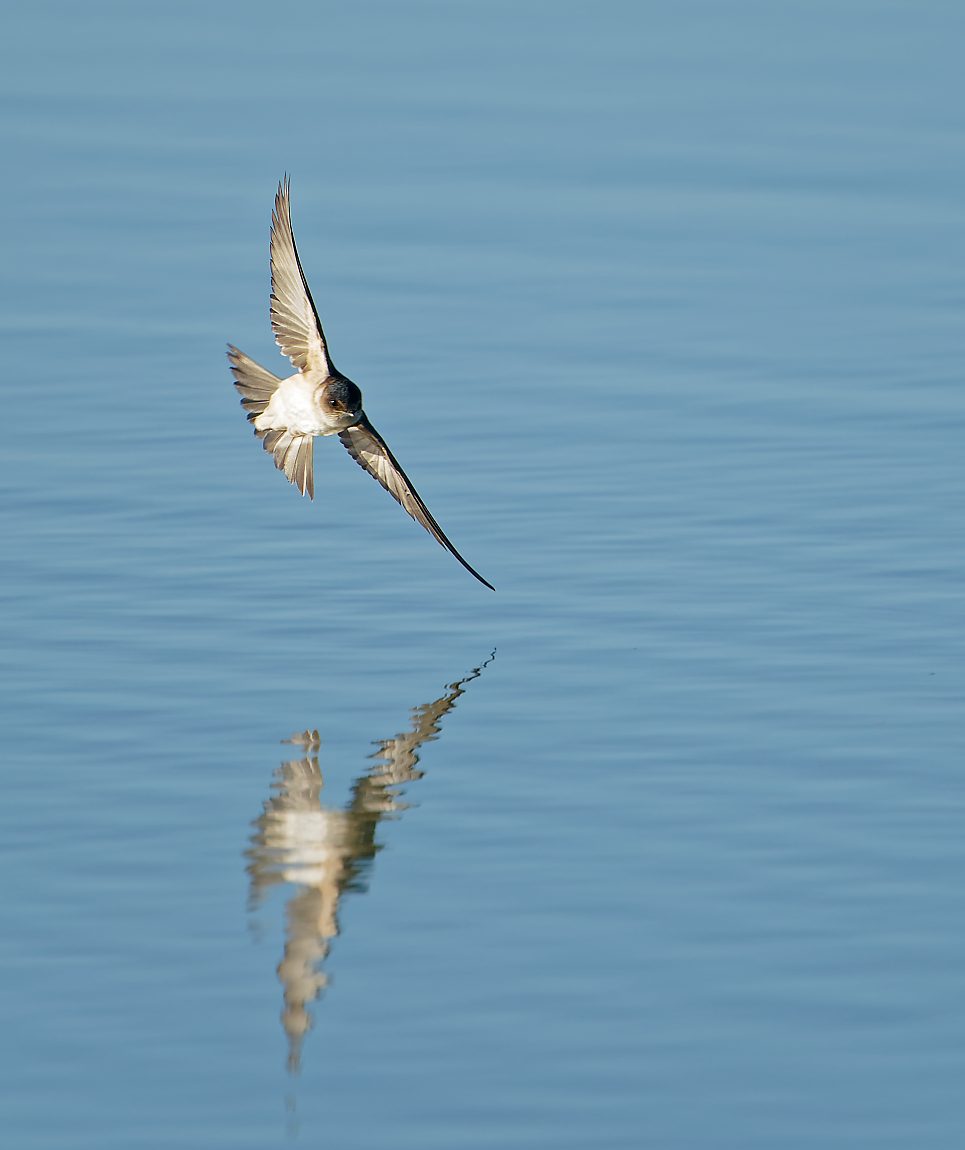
pixel 369 450
pixel 294 319
pixel 398 757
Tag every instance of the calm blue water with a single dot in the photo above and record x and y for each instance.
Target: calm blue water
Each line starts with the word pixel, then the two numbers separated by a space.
pixel 661 307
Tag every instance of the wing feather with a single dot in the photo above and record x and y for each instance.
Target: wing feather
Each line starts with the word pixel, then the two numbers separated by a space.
pixel 370 451
pixel 294 318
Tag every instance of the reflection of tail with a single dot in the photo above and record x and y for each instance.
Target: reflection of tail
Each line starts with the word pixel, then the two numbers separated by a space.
pixel 292 452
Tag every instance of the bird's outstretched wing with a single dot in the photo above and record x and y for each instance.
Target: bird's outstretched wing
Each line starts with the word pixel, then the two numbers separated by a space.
pixel 294 320
pixel 369 450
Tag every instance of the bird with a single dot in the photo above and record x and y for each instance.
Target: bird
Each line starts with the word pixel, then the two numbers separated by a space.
pixel 317 399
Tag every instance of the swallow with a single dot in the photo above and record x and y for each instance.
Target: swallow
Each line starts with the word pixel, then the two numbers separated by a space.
pixel 288 413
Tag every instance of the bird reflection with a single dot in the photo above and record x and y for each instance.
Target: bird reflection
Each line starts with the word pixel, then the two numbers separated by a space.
pixel 323 852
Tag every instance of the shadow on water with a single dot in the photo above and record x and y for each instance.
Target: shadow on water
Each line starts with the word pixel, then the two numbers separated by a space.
pixel 325 852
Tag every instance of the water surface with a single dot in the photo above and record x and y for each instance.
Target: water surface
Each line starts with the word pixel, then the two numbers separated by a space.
pixel 660 308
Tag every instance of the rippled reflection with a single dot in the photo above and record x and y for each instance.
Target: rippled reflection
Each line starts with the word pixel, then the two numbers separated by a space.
pixel 324 851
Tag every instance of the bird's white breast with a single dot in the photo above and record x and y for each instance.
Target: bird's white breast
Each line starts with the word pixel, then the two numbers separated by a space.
pixel 296 406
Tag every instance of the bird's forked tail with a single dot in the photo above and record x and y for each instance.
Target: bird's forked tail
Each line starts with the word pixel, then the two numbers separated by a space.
pixel 292 452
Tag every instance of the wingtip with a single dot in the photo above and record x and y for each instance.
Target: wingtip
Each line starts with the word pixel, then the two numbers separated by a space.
pixel 472 570
pixel 282 203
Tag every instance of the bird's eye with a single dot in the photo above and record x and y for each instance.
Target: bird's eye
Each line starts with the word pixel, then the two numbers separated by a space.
pixel 343 394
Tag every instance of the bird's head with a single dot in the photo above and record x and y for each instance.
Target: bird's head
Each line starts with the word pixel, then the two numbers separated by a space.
pixel 344 398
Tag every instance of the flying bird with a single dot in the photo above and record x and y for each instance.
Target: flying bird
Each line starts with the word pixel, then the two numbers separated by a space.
pixel 288 413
